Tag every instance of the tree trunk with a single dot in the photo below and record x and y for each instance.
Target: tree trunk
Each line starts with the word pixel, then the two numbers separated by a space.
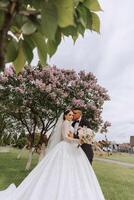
pixel 31 150
pixel 42 154
pixel 29 162
pixel 21 152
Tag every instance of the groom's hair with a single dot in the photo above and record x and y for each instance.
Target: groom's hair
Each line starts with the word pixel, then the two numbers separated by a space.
pixel 76 108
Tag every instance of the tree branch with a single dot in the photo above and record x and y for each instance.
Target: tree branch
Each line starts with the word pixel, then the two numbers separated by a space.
pixel 43 125
pixel 23 121
pixel 12 9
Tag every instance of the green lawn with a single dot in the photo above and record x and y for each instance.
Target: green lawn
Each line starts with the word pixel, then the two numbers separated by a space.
pixel 124 157
pixel 12 170
pixel 117 182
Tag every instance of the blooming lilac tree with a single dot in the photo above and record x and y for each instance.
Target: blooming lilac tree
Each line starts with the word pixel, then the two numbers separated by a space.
pixel 37 97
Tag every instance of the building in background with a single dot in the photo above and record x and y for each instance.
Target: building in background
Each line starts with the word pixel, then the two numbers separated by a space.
pixel 132 141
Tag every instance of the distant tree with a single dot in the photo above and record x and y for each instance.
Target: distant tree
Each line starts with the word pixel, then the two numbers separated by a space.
pixel 9 129
pixel 2 124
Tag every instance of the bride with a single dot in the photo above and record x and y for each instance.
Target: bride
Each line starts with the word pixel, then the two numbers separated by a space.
pixel 64 173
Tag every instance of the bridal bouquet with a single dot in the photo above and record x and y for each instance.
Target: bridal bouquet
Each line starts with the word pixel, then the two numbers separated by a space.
pixel 86 135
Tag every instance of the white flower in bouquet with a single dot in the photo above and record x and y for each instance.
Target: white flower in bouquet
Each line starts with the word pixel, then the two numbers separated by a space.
pixel 86 135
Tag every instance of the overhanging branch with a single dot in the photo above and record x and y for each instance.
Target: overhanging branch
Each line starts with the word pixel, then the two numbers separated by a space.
pixel 12 9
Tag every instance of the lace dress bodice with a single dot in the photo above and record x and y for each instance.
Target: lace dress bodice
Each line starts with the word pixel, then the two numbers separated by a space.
pixel 66 129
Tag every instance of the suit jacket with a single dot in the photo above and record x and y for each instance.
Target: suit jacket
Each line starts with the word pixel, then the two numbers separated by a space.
pixel 87 148
pixel 84 122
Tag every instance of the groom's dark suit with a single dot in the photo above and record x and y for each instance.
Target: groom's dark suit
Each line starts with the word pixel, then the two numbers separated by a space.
pixel 87 148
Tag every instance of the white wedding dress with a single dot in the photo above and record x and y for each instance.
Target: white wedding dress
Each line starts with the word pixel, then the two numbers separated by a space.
pixel 64 174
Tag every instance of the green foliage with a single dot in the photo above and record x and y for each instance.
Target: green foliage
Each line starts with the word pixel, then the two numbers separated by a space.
pixel 93 5
pixel 96 22
pixel 39 42
pixel 1 17
pixel 20 60
pixel 5 140
pixel 42 24
pixel 49 20
pixel 28 28
pixel 20 143
pixel 65 10
pixel 12 50
pixel 28 50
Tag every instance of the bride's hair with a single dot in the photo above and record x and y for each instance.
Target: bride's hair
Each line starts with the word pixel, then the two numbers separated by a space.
pixel 66 112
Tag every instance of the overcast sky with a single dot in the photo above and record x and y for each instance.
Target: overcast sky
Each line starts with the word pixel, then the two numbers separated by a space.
pixel 110 56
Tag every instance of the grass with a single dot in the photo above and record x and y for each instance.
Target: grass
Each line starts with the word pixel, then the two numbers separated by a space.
pixel 117 182
pixel 124 157
pixel 12 170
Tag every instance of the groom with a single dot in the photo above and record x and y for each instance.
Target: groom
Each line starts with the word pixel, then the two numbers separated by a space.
pixel 79 120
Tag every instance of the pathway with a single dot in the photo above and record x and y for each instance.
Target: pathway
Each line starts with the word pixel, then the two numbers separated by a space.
pixel 130 165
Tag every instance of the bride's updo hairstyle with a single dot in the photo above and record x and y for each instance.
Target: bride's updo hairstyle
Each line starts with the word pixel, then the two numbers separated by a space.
pixel 66 112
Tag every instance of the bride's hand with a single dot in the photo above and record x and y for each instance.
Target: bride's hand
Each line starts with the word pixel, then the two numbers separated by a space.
pixel 80 142
pixel 70 134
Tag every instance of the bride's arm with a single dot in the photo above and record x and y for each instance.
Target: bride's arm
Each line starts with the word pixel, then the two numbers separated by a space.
pixel 67 134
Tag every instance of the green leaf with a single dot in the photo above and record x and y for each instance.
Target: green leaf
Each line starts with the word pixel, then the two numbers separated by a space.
pixel 82 15
pixel 75 37
pixel 28 50
pixel 53 44
pixel 12 51
pixel 29 40
pixel 19 21
pixel 93 5
pixel 2 16
pixel 83 19
pixel 28 28
pixel 76 2
pixel 65 10
pixel 70 30
pixel 49 20
pixel 89 20
pixel 15 29
pixel 81 29
pixel 20 61
pixel 39 42
pixel 95 22
pixel 51 47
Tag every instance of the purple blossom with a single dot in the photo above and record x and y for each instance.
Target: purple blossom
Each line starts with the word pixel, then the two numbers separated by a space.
pixel 20 90
pixel 20 77
pixel 3 79
pixel 81 94
pixel 48 88
pixel 8 71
